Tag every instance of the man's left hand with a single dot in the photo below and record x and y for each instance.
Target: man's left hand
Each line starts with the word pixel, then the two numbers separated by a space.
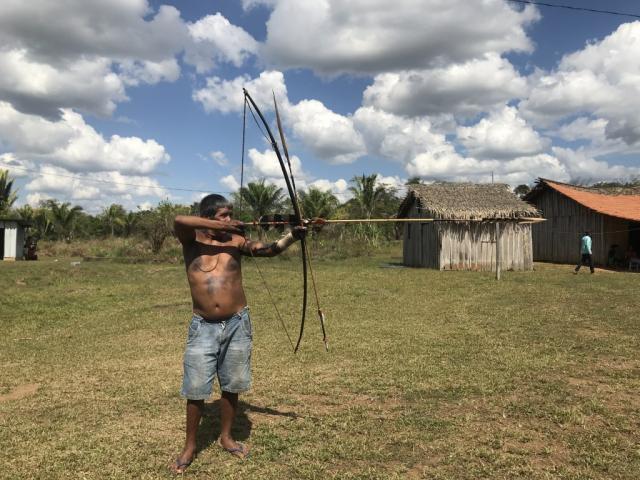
pixel 299 232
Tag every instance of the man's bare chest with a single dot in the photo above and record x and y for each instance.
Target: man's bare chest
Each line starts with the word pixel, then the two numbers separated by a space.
pixel 208 258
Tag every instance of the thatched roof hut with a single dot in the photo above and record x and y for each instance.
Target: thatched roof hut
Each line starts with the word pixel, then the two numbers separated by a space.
pixel 464 235
pixel 467 201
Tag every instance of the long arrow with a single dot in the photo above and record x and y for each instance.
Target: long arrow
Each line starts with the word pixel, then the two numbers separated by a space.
pixel 322 221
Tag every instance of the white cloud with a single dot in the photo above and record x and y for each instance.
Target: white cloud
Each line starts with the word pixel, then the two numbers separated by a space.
pixel 17 168
pixel 503 134
pixel 230 183
pixel 249 4
pixel 411 142
pixel 565 93
pixel 215 38
pixel 145 206
pixel 583 128
pixel 462 89
pixel 135 72
pixel 58 182
pixel 444 163
pixel 266 164
pixel 373 36
pixel 220 158
pixel 429 155
pixel 592 134
pixel 91 190
pixel 339 188
pixel 329 135
pixel 395 137
pixel 41 88
pixel 85 57
pixel 394 182
pixel 226 95
pixel 582 166
pixel 59 30
pixel 75 145
pixel 524 170
pixel 601 81
pixel 93 50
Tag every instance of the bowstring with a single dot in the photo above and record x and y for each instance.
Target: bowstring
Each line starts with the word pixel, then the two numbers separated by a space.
pixel 255 261
pixel 306 244
pixel 313 276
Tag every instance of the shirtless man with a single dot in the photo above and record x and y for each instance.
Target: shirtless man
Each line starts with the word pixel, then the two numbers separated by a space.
pixel 220 334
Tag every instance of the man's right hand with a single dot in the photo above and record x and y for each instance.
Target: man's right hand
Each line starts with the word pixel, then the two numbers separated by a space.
pixel 238 227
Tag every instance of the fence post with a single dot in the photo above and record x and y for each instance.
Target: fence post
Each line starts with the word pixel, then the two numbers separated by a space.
pixel 498 251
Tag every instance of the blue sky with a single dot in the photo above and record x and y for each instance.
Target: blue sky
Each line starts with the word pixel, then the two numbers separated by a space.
pixel 132 102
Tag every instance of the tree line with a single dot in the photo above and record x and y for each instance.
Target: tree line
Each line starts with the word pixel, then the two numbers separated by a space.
pixel 61 221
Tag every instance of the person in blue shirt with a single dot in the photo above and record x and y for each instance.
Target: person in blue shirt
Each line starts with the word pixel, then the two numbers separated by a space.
pixel 585 252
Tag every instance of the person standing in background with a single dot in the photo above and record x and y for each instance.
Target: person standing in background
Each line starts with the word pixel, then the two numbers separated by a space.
pixel 585 252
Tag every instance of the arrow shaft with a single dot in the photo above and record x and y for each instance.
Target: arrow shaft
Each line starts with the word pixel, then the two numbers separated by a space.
pixel 399 220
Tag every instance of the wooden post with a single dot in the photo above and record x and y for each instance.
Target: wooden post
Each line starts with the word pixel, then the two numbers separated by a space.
pixel 498 251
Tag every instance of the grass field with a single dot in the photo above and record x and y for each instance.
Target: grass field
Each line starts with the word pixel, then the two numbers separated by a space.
pixel 430 374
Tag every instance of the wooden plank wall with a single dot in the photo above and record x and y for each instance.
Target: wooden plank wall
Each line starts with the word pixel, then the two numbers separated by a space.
pixel 558 239
pixel 471 246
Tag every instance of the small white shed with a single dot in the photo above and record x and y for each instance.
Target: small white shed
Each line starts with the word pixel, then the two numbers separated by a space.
pixel 12 238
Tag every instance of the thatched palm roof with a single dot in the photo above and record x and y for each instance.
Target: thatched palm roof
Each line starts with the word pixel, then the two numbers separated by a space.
pixel 466 201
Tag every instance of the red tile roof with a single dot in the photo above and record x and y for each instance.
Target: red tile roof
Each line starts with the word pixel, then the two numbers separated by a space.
pixel 621 206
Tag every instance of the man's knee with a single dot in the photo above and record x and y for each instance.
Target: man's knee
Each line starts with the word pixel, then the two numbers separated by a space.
pixel 229 395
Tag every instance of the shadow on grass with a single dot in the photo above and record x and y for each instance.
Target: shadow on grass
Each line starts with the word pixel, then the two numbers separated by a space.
pixel 209 430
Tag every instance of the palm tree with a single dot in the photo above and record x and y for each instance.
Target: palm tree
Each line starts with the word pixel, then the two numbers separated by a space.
pixel 63 218
pixel 370 199
pixel 130 221
pixel 7 197
pixel 316 203
pixel 261 198
pixel 368 196
pixel 113 216
pixel 26 212
pixel 42 220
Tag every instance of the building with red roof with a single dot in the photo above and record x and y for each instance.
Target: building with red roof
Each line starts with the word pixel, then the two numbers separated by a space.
pixel 610 215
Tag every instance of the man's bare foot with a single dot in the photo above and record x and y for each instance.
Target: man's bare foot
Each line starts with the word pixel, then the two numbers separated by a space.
pixel 236 449
pixel 181 463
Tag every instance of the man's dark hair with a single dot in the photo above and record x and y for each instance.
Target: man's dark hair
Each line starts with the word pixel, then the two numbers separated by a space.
pixel 210 204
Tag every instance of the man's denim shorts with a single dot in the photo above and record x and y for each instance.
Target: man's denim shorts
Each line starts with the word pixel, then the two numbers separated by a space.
pixel 220 348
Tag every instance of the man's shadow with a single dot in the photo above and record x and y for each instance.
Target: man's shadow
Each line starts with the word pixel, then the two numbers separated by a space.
pixel 209 430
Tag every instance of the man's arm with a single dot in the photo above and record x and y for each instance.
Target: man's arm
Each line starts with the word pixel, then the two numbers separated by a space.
pixel 185 227
pixel 261 249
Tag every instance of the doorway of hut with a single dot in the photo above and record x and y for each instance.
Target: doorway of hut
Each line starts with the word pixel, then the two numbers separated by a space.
pixel 634 236
pixel 1 243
